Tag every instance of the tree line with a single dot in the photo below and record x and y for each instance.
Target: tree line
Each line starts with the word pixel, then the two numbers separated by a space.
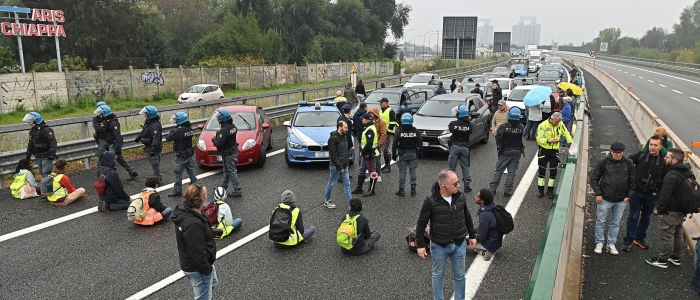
pixel 681 43
pixel 142 33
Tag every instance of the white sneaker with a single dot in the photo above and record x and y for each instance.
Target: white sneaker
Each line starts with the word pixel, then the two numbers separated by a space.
pixel 379 179
pixel 367 179
pixel 612 249
pixel 598 248
pixel 328 204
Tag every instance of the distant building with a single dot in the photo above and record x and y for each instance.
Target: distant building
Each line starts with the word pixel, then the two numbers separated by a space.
pixel 526 32
pixel 484 34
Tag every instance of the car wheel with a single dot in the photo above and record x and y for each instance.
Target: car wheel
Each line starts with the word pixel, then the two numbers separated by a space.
pixel 269 144
pixel 487 135
pixel 222 97
pixel 200 100
pixel 286 158
pixel 262 158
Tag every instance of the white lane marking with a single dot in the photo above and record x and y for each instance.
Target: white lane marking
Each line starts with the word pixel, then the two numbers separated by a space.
pixel 650 80
pixel 696 99
pixel 640 77
pixel 678 92
pixel 479 267
pixel 662 85
pixel 88 211
pixel 180 274
pixel 626 72
pixel 633 75
pixel 657 73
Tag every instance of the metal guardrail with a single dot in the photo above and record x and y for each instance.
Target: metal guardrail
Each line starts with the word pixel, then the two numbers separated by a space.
pixel 85 148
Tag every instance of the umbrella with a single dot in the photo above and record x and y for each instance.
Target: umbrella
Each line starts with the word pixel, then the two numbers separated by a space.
pixel 574 88
pixel 537 95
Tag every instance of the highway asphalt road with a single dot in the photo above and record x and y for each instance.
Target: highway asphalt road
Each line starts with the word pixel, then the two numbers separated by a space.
pixel 94 255
pixel 674 97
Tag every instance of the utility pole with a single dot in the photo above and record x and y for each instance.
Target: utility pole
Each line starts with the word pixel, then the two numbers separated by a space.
pixel 404 45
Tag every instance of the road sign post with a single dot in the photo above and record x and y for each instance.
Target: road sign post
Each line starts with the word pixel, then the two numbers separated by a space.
pixel 603 47
pixel 593 54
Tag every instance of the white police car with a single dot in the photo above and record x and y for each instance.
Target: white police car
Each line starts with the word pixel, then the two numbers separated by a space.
pixel 308 132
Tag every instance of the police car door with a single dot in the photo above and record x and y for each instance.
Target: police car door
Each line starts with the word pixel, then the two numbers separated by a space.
pixel 478 124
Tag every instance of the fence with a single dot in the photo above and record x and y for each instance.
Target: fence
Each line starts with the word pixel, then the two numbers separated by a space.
pixel 33 89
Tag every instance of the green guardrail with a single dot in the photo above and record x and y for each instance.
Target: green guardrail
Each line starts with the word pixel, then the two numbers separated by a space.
pixel 544 274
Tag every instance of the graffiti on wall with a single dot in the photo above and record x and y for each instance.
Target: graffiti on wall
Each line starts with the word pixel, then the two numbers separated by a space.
pixel 153 77
pixel 17 92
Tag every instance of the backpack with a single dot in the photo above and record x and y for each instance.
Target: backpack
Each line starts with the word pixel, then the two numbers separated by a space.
pixel 346 235
pixel 412 240
pixel 504 220
pixel 100 185
pixel 280 225
pixel 689 195
pixel 211 212
pixel 136 210
pixel 46 185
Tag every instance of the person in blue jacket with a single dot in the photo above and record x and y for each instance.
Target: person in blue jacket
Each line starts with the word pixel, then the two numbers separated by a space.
pixel 488 240
pixel 567 115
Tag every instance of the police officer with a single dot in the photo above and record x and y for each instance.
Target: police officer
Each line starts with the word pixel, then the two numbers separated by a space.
pixel 389 117
pixel 99 135
pixel 459 148
pixel 113 138
pixel 42 142
pixel 407 149
pixel 225 142
pixel 509 139
pixel 548 134
pixel 182 135
pixel 368 151
pixel 151 137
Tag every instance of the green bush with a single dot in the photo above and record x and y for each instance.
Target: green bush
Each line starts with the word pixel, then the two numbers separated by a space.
pixel 164 96
pixel 397 67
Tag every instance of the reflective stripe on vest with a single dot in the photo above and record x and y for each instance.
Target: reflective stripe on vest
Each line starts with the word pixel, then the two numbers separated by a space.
pixel 294 238
pixel 19 182
pixel 374 143
pixel 152 216
pixel 221 222
pixel 59 191
pixel 340 99
pixel 385 115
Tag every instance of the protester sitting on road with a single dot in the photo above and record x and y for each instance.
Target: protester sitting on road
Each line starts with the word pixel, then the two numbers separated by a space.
pixel 24 185
pixel 488 240
pixel 155 210
pixel 226 222
pixel 195 242
pixel 114 198
pixel 365 238
pixel 666 144
pixel 63 191
pixel 300 234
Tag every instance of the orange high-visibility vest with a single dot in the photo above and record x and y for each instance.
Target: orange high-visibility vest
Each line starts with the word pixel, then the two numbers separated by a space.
pixel 152 216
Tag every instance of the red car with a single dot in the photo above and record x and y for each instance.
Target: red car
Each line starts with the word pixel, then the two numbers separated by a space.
pixel 254 137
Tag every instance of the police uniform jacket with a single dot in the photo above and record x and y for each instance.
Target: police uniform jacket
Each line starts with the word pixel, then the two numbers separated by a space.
pixel 41 140
pixel 151 135
pixel 407 138
pixel 182 135
pixel 225 138
pixel 112 132
pixel 460 129
pixel 509 137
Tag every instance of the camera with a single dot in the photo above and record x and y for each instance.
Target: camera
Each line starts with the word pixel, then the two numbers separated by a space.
pixel 648 184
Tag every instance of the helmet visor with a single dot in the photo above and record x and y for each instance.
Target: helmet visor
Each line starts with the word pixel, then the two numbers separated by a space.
pixel 173 119
pixel 98 112
pixel 29 118
pixel 144 112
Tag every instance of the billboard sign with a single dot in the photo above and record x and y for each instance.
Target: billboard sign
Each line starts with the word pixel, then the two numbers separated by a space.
pixel 34 29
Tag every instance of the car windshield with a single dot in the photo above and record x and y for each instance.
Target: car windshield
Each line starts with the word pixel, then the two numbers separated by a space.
pixel 504 83
pixel 532 64
pixel 238 118
pixel 517 94
pixel 196 89
pixel 552 87
pixel 549 74
pixel 474 79
pixel 439 108
pixel 496 69
pixel 316 119
pixel 420 78
pixel 518 67
pixel 376 96
pixel 430 92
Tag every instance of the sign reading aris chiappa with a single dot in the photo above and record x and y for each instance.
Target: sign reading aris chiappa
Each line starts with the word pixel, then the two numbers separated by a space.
pixel 34 29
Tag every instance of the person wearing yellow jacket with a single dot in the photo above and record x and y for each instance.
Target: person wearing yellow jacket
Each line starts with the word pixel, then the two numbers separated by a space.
pixel 548 138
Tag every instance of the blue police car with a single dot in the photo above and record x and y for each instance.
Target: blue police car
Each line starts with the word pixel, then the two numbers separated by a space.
pixel 308 132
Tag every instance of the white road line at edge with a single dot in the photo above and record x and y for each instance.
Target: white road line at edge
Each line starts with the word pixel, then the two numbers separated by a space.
pixel 650 80
pixel 219 253
pixel 479 266
pixel 678 91
pixel 88 211
pixel 662 85
pixel 696 99
pixel 657 73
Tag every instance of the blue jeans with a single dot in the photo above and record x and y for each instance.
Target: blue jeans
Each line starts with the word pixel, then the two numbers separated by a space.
pixel 230 171
pixel 308 232
pixel 183 164
pixel 461 154
pixel 606 209
pixel 407 158
pixel 531 129
pixel 457 255
pixel 345 176
pixel 166 212
pixel 637 226
pixel 202 285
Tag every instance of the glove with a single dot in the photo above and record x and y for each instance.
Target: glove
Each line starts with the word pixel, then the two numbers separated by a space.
pixel 52 156
pixel 394 157
pixel 137 139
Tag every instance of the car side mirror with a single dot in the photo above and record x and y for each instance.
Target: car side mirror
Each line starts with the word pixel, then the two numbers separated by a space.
pixel 200 126
pixel 474 115
pixel 287 124
pixel 407 102
pixel 265 126
pixel 505 98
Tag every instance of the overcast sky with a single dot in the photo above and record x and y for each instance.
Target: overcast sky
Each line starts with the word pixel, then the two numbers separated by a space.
pixel 563 21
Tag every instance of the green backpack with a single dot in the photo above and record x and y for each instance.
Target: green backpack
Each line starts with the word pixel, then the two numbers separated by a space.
pixel 347 232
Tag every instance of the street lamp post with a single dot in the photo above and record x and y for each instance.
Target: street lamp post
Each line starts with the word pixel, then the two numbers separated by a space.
pixel 404 45
pixel 414 46
pixel 423 46
pixel 430 46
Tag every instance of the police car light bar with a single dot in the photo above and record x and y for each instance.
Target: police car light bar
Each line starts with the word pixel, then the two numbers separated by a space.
pixel 306 103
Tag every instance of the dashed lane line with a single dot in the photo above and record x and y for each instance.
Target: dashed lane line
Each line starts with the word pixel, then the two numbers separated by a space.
pixel 88 211
pixel 650 80
pixel 678 91
pixel 696 99
pixel 662 85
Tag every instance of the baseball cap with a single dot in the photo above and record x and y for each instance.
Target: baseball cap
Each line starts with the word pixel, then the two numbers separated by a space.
pixel 617 146
pixel 347 106
pixel 367 116
pixel 501 102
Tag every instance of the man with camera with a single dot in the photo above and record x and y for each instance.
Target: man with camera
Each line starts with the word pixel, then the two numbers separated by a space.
pixel 650 169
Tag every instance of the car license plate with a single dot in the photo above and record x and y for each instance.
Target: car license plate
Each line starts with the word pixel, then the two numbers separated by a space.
pixel 426 144
pixel 218 158
pixel 322 154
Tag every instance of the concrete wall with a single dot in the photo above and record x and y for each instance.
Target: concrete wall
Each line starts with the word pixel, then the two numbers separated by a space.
pixel 32 89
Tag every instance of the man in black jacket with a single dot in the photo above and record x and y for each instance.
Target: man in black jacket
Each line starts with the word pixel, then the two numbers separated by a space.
pixel 195 242
pixel 151 137
pixel 114 198
pixel 477 90
pixel 459 145
pixel 182 146
pixel 450 223
pixel 112 135
pixel 671 215
pixel 365 238
pixel 347 117
pixel 42 143
pixel 225 142
pixel 650 169
pixel 337 148
pixel 497 95
pixel 612 180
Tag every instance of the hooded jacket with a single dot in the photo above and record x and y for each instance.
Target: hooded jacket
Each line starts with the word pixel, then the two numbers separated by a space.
pixel 380 125
pixel 115 190
pixel 357 122
pixel 613 179
pixel 647 166
pixel 668 197
pixel 338 150
pixel 195 240
pixel 289 198
pixel 448 223
pixel 486 233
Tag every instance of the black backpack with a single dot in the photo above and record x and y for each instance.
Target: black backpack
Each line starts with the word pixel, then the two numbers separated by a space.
pixel 689 195
pixel 504 220
pixel 280 225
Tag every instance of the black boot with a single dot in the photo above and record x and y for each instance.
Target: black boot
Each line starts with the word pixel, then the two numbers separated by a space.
pixel 540 191
pixel 360 182
pixel 413 190
pixel 400 192
pixel 387 164
pixel 372 187
pixel 550 192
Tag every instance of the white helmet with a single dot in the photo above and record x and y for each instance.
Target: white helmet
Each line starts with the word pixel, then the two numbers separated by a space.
pixel 220 194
